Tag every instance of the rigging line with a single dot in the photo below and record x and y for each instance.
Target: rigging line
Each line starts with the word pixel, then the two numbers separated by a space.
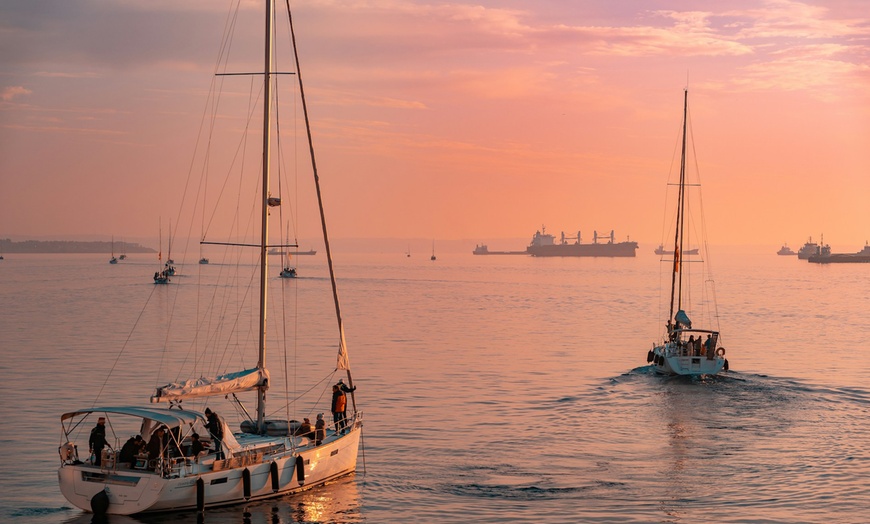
pixel 342 359
pixel 124 345
pixel 309 390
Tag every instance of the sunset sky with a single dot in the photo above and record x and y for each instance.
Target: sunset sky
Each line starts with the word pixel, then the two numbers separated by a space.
pixel 458 120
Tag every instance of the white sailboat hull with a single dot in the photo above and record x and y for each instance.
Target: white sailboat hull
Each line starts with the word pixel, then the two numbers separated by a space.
pixel 671 359
pixel 133 491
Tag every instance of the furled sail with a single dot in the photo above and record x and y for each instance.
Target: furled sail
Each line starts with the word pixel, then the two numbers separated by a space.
pixel 246 380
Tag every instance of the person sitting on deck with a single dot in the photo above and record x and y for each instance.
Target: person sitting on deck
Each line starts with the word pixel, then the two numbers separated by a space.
pixel 319 430
pixel 130 449
pixel 196 447
pixel 305 429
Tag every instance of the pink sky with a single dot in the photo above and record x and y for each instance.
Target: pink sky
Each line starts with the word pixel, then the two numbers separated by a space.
pixel 457 120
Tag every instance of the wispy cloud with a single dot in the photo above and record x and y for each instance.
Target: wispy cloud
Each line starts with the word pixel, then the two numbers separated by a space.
pixel 12 92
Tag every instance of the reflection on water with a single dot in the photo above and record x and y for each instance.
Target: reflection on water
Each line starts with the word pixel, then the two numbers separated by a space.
pixel 503 390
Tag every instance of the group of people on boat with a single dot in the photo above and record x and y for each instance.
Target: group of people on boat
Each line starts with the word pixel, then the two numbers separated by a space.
pixel 696 347
pixel 164 443
pixel 317 433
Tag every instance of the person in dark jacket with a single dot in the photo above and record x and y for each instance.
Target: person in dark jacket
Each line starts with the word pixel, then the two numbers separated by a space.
pixel 156 446
pixel 306 429
pixel 319 430
pixel 196 447
pixel 97 440
pixel 130 449
pixel 215 426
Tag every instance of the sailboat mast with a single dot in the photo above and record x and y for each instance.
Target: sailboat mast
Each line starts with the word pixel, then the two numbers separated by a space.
pixel 264 230
pixel 678 233
pixel 343 362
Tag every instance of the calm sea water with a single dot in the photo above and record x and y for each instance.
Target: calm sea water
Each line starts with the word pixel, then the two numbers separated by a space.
pixel 495 389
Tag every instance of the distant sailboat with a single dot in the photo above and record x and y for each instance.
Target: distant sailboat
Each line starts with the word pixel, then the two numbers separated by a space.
pixel 113 260
pixel 288 271
pixel 160 276
pixel 433 251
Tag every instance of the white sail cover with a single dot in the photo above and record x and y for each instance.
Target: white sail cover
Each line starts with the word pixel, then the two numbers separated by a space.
pixel 246 380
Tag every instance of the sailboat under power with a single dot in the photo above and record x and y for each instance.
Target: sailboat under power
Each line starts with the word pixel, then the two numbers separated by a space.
pixel 687 349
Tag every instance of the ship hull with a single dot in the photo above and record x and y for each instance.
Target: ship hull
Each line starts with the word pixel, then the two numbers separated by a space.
pixel 621 249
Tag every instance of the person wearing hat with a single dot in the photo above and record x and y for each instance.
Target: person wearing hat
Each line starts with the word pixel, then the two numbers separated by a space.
pixel 215 426
pixel 97 440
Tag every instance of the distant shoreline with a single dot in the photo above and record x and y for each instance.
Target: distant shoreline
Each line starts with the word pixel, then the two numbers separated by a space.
pixel 71 246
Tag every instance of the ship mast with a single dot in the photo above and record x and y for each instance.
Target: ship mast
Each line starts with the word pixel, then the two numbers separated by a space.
pixel 264 231
pixel 678 233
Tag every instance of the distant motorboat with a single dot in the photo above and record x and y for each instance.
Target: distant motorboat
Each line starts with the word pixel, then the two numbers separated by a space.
pixel 810 248
pixel 662 251
pixel 288 272
pixel 203 260
pixel 785 250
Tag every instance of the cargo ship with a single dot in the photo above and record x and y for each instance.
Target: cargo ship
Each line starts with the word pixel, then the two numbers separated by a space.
pixel 826 257
pixel 544 244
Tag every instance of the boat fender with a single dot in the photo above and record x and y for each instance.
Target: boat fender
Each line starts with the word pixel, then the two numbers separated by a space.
pixel 300 469
pixel 200 495
pixel 273 473
pixel 725 367
pixel 246 482
pixel 720 352
pixel 100 503
pixel 649 356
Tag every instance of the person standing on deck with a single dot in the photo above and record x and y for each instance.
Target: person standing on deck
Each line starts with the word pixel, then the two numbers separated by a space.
pixel 710 347
pixel 97 440
pixel 215 426
pixel 339 406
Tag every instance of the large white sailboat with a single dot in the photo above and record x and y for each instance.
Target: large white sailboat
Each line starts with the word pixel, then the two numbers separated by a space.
pixel 688 349
pixel 268 457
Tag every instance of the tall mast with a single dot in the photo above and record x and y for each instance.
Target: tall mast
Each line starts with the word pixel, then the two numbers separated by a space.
pixel 264 230
pixel 678 233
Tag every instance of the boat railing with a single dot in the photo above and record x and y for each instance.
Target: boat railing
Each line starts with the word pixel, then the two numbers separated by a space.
pixel 687 342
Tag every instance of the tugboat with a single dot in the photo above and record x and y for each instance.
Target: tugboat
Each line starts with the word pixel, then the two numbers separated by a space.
pixel 809 249
pixel 785 250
